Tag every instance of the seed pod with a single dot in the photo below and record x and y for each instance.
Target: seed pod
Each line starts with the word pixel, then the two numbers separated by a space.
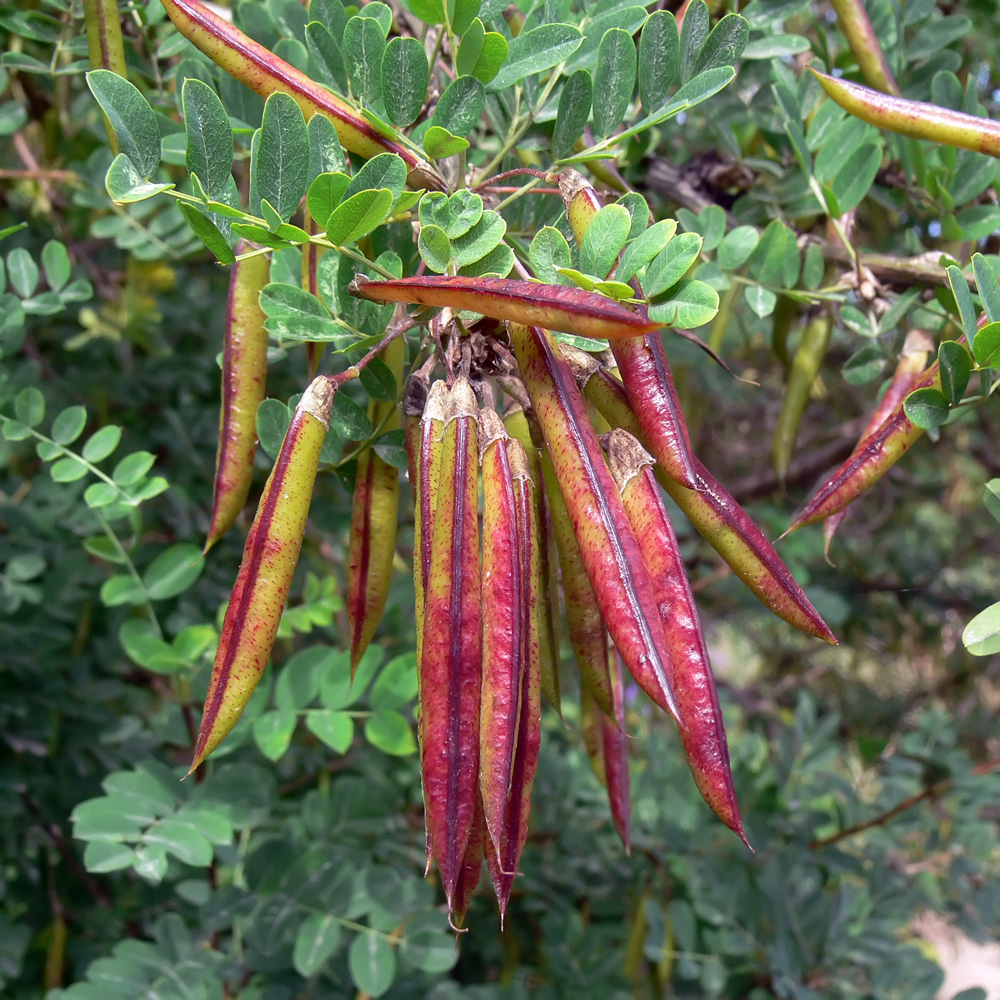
pixel 546 604
pixel 643 364
pixel 424 460
pixel 857 28
pixel 510 828
pixel 912 360
pixel 806 366
pixel 374 513
pixel 615 740
pixel 531 303
pixel 587 633
pixel 265 576
pixel 592 721
pixel 506 614
pixel 311 253
pixel 702 732
pixel 451 653
pixel 265 73
pixel 717 516
pixel 610 553
pixel 913 118
pixel 244 381
pixel 471 870
pixel 105 47
pixel 869 462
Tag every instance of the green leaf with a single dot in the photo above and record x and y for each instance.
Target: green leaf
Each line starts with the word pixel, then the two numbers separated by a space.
pixel 585 281
pixel 480 239
pixel 131 117
pixel 645 247
pixel 470 47
pixel 659 56
pixel 481 53
pixel 429 11
pixel 548 252
pixel 348 419
pixel 986 346
pixel 981 637
pixel 761 300
pixel 405 75
pixel 864 365
pixel 386 170
pixel 776 47
pixel 604 239
pixel 125 185
pixel 428 943
pixel 391 448
pixel 736 247
pixel 280 165
pixel 363 48
pixel 776 254
pixel 388 731
pixel 855 178
pixel 396 684
pixel 327 53
pixel 299 679
pixel 691 304
pixel 455 215
pixel 272 422
pixel 378 380
pixel 991 497
pixel 672 263
pixel 132 468
pixel 325 193
pixel 208 232
pixel 987 286
pixel 29 406
pixel 461 14
pixel 103 819
pixel 724 45
pixel 272 732
pixel 963 299
pixel 534 51
pixel 356 217
pixel 956 368
pixel 435 248
pixel 813 268
pixel 614 80
pixel 182 841
pixel 101 856
pixel 574 111
pixel 694 34
pixel 439 143
pixel 174 571
pixel 55 260
pixel 498 262
pixel 926 408
pixel 100 495
pixel 23 272
pixel 335 729
pixel 372 963
pixel 69 424
pixel 68 470
pixel 317 940
pixel 460 106
pixel 209 139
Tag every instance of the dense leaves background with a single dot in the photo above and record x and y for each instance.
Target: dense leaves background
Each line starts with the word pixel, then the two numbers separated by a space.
pixel 294 868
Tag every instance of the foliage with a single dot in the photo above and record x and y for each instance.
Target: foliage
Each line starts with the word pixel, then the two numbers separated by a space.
pixel 293 867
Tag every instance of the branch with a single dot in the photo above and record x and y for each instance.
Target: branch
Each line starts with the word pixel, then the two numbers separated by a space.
pixel 930 792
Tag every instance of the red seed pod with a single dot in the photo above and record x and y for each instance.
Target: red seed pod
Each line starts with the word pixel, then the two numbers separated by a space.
pixel 615 741
pixel 556 307
pixel 471 870
pixel 702 732
pixel 372 543
pixel 546 604
pixel 588 636
pixel 265 576
pixel 857 28
pixel 912 360
pixel 610 553
pixel 716 515
pixel 244 381
pixel 265 73
pixel 451 652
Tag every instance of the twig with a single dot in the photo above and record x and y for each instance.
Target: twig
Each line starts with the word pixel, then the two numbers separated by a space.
pixel 930 792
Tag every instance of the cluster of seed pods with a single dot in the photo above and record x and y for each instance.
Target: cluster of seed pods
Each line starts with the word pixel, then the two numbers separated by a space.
pixel 571 471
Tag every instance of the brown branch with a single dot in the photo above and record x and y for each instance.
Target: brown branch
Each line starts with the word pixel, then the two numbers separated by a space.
pixel 930 792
